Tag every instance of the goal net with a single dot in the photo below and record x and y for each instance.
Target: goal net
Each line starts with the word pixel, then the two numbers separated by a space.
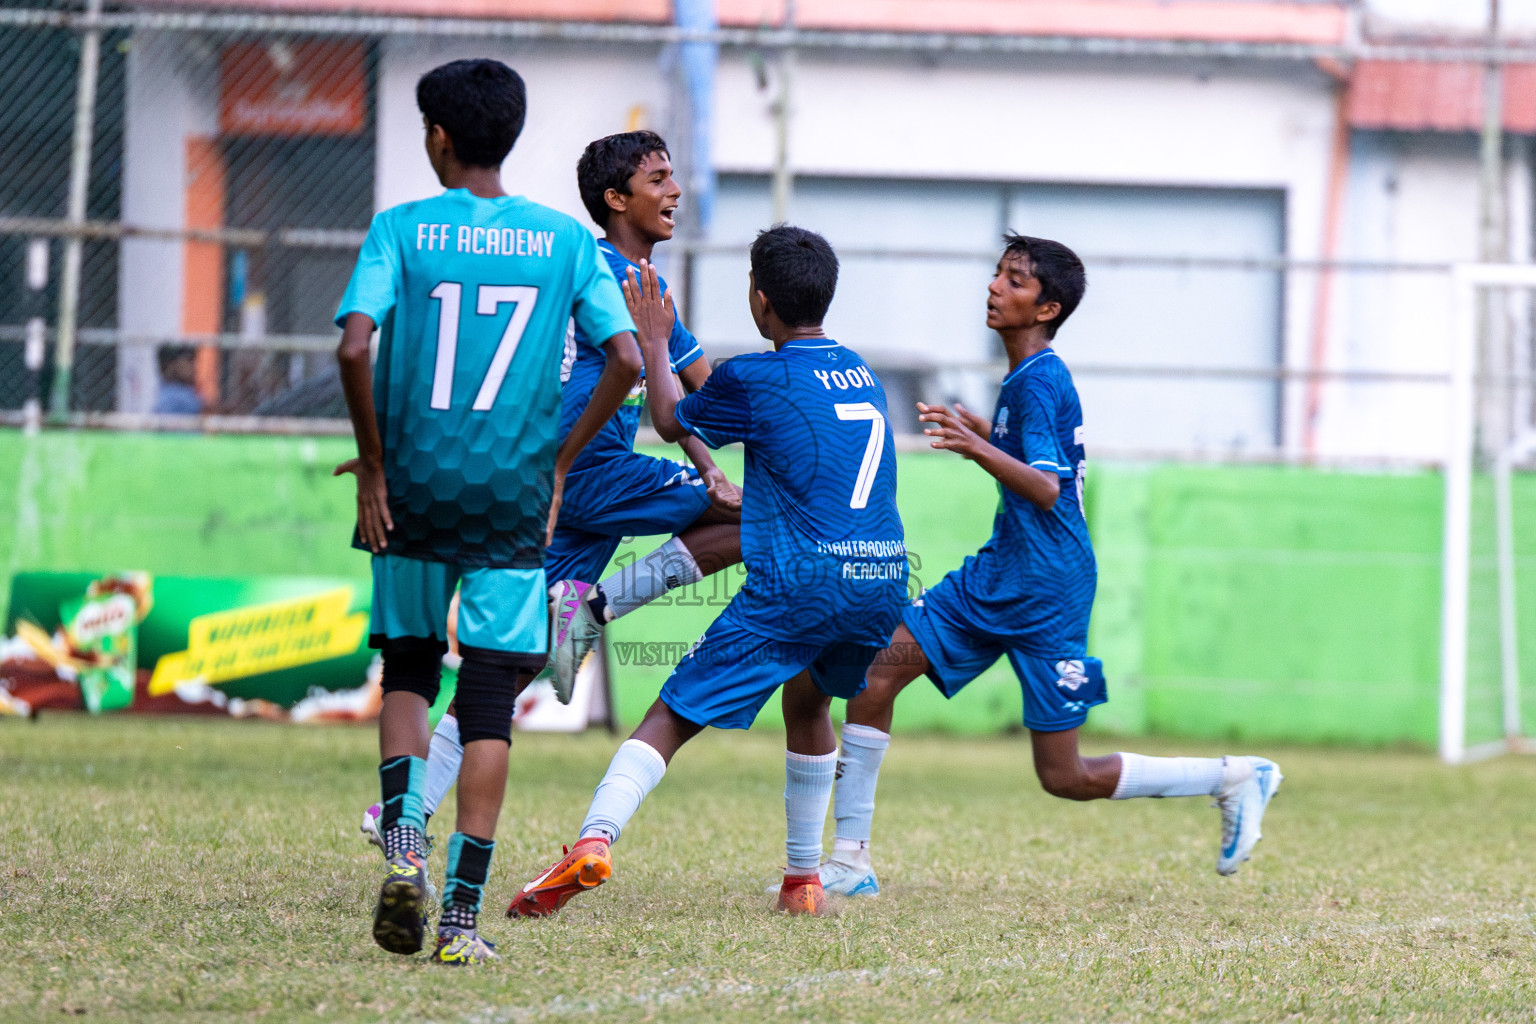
pixel 1488 616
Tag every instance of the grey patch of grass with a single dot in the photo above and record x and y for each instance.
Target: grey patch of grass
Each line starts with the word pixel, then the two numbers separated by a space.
pixel 209 870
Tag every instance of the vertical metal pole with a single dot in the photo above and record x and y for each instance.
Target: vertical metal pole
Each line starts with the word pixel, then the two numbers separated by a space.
pixel 1457 540
pixel 698 64
pixel 783 176
pixel 1493 240
pixel 37 334
pixel 79 182
pixel 1494 405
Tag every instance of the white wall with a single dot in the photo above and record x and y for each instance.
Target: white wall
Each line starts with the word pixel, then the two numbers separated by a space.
pixel 1411 199
pixel 1462 16
pixel 172 92
pixel 574 96
pixel 1051 121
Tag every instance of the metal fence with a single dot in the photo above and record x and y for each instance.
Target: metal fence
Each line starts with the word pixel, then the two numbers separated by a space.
pixel 269 198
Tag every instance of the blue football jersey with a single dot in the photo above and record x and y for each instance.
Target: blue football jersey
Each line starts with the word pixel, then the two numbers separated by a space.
pixel 820 534
pixel 617 436
pixel 1033 582
pixel 472 298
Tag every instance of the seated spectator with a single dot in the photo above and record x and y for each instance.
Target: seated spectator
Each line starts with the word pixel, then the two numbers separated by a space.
pixel 178 373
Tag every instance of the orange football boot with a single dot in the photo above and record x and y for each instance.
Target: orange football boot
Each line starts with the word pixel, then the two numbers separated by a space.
pixel 584 866
pixel 803 894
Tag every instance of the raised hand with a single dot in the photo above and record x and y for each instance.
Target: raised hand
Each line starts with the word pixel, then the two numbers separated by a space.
pixel 979 424
pixel 650 307
pixel 950 431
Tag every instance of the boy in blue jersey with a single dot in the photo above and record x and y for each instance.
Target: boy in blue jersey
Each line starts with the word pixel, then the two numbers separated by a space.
pixel 627 186
pixel 612 491
pixel 819 515
pixel 1027 593
pixel 459 466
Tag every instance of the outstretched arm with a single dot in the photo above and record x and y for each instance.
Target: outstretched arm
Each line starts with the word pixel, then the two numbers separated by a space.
pixel 353 356
pixel 722 492
pixel 618 377
pixel 653 315
pixel 953 431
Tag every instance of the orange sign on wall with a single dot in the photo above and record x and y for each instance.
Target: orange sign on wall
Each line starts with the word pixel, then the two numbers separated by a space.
pixel 317 87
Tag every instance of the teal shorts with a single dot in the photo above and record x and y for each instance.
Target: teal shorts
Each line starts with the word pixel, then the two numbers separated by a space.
pixel 500 610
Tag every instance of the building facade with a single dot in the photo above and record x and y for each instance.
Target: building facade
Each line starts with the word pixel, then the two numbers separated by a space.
pixel 1211 190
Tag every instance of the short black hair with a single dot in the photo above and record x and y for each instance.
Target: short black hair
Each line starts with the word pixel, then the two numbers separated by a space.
pixel 609 163
pixel 169 355
pixel 1058 269
pixel 480 103
pixel 797 270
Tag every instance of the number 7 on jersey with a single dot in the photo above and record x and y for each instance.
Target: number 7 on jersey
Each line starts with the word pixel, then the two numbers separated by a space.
pixel 871 464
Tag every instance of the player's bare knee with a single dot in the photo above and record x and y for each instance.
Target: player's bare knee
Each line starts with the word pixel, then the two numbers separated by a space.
pixel 882 684
pixel 803 701
pixel 1069 781
pixel 664 730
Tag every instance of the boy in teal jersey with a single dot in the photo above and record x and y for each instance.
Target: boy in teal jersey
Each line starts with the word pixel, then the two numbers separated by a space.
pixel 613 491
pixel 460 466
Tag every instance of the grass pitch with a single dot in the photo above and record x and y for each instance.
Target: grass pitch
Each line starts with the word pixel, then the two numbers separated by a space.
pixel 209 870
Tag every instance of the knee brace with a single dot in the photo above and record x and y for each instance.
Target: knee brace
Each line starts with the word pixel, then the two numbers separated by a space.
pixel 486 698
pixel 417 671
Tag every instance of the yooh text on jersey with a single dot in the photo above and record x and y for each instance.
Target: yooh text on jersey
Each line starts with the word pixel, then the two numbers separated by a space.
pixel 857 377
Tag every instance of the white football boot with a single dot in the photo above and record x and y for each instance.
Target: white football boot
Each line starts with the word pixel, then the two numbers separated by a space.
pixel 1250 783
pixel 573 630
pixel 846 878
pixel 370 826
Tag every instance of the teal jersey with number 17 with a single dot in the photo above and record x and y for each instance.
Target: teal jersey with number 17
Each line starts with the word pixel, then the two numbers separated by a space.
pixel 473 298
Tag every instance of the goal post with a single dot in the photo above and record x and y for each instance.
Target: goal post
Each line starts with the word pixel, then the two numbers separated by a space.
pixel 1504 442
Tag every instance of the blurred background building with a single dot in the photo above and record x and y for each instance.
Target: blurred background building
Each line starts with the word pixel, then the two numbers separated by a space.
pixel 1268 192
pixel 1270 196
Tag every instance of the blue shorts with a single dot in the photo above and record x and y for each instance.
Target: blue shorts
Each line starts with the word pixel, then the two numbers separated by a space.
pixel 1057 691
pixel 631 496
pixel 500 610
pixel 731 672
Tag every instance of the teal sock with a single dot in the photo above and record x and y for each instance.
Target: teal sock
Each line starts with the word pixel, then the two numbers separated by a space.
pixel 469 865
pixel 402 781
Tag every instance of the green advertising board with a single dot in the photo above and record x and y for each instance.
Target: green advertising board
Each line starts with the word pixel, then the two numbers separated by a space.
pixel 268 637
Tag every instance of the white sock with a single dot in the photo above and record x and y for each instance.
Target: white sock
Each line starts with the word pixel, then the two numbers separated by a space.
pixel 1168 776
pixel 444 757
pixel 807 791
pixel 634 771
pixel 667 568
pixel 857 772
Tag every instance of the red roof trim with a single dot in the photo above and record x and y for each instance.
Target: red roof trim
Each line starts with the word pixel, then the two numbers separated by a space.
pixel 1285 21
pixel 1447 97
pixel 1206 20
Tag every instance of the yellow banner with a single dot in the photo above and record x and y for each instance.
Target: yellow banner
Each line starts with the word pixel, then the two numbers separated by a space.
pixel 263 638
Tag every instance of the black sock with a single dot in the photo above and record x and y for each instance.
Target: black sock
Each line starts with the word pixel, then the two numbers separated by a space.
pixel 598 603
pixel 400 839
pixel 458 916
pixel 469 864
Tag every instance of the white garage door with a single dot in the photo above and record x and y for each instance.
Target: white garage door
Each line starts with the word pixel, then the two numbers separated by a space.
pixel 916 309
pixel 1150 316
